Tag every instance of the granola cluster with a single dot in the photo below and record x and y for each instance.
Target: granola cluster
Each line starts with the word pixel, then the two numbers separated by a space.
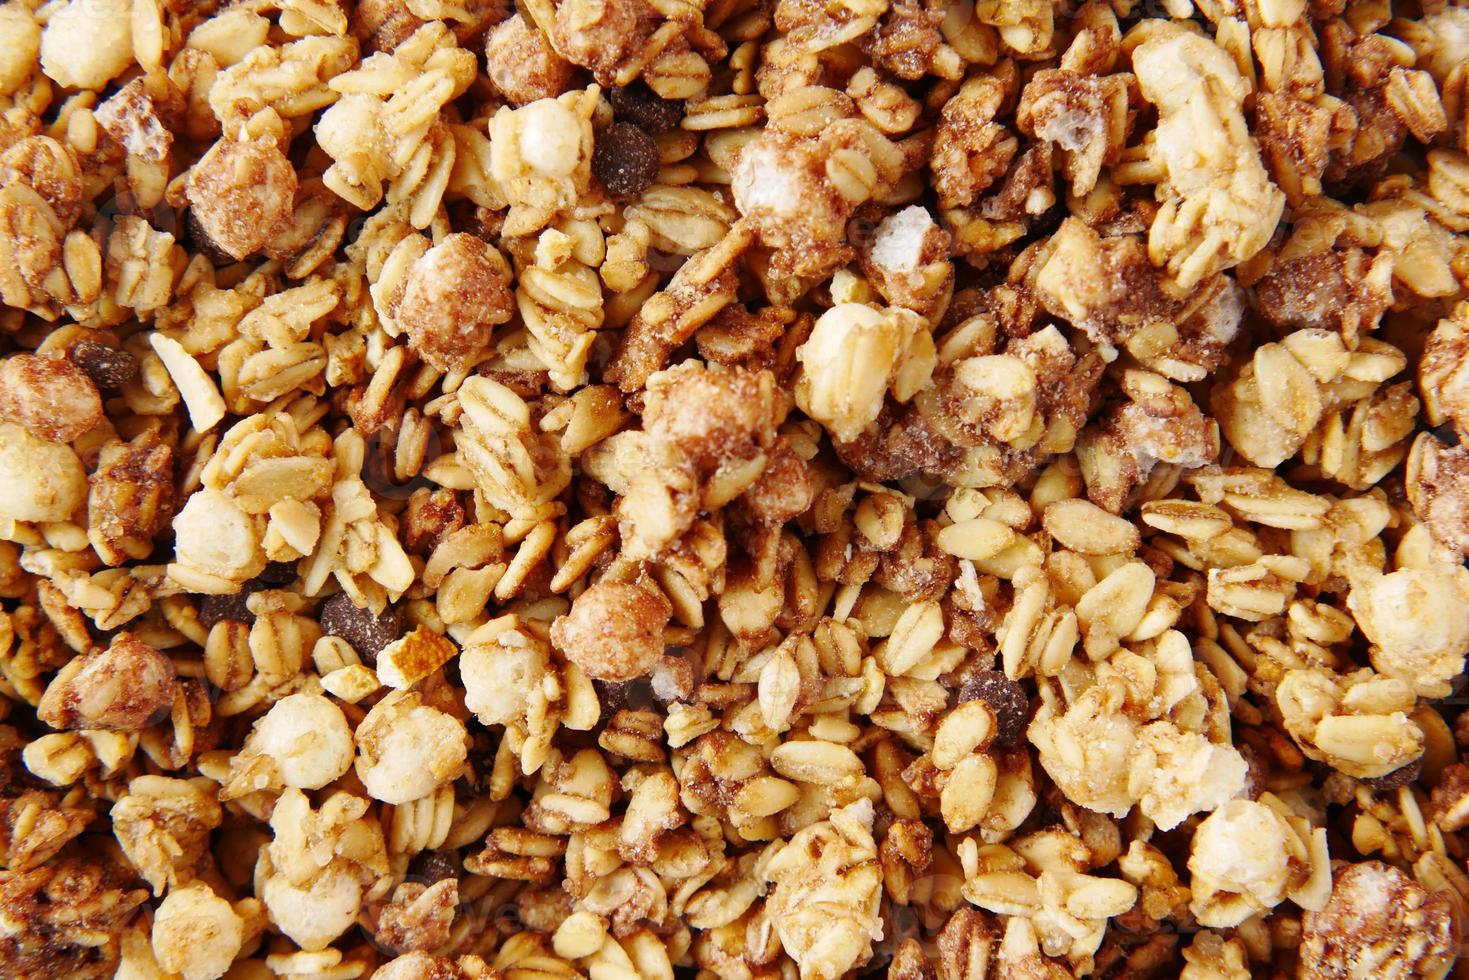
pixel 821 489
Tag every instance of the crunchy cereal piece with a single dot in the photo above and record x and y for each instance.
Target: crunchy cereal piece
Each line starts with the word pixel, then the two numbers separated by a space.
pixel 196 934
pixel 1088 748
pixel 70 914
pixel 1417 620
pixel 701 287
pixel 45 480
pixel 418 966
pixel 796 191
pixel 1220 207
pixel 1085 116
pixel 1160 424
pixel 854 356
pixel 1443 372
pixel 517 467
pixel 1379 915
pixel 1178 773
pixel 18 60
pixel 313 875
pixel 418 916
pixel 163 826
pixel 131 498
pixel 908 262
pixel 1358 724
pixel 406 749
pixel 49 395
pixel 614 630
pixel 971 150
pixel 451 298
pixel 1437 481
pixel 541 155
pixel 1246 858
pixel 243 190
pixel 86 45
pixel 121 688
pixel 824 899
pixel 521 63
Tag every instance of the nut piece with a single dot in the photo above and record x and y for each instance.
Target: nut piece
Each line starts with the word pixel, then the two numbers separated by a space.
pixel 44 481
pixel 49 395
pixel 614 630
pixel 196 934
pixel 522 65
pixel 121 688
pixel 1418 622
pixel 1377 915
pixel 242 192
pixel 406 749
pixel 215 537
pixel 451 299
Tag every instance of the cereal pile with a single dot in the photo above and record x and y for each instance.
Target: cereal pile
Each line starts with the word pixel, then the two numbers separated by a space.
pixel 620 489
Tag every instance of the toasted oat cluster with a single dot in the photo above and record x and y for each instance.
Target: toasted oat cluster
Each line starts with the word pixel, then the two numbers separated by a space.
pixel 734 489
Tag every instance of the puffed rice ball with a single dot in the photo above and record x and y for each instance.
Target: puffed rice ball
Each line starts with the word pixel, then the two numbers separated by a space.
pixel 499 676
pixel 406 749
pixel 308 737
pixel 196 934
pixel 1242 848
pixel 550 137
pixel 314 914
pixel 88 43
pixel 44 481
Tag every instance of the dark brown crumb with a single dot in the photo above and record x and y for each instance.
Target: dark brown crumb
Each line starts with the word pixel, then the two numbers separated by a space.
pixel 366 633
pixel 1396 778
pixel 108 367
pixel 213 608
pixel 432 867
pixel 625 160
pixel 637 104
pixel 1006 697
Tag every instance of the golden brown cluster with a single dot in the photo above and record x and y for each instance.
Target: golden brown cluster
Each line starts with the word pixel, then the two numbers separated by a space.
pixel 734 489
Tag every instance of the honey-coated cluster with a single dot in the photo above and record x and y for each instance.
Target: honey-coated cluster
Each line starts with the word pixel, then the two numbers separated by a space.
pixel 733 489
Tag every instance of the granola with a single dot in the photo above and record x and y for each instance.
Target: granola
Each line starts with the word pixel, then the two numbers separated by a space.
pixel 643 488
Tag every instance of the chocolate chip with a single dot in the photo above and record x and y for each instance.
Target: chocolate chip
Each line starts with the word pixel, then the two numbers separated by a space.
pixel 276 574
pixel 367 634
pixel 108 367
pixel 213 608
pixel 1396 778
pixel 625 159
pixel 1005 697
pixel 640 106
pixel 432 867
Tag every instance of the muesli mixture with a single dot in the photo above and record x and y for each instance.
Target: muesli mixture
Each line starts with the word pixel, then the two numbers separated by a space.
pixel 636 489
